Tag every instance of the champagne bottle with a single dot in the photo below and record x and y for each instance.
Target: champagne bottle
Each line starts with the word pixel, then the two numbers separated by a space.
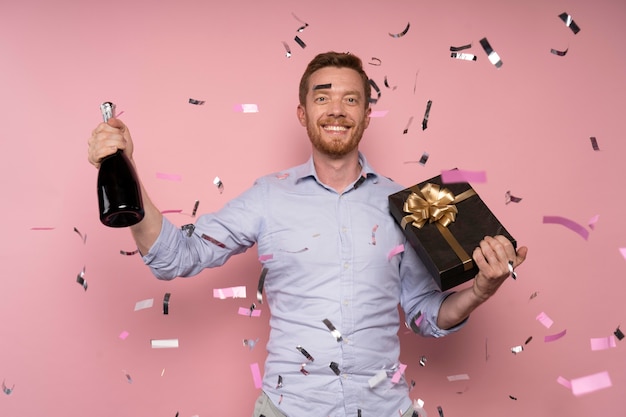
pixel 119 194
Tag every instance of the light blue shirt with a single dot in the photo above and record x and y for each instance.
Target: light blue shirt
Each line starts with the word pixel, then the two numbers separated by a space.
pixel 328 257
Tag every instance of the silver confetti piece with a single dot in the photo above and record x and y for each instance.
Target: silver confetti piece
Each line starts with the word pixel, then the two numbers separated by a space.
pixel 618 333
pixel 594 143
pixel 195 208
pixel 336 334
pixel 375 61
pixel 166 303
pixel 83 237
pixel 375 87
pixel 517 349
pixel 426 115
pixel 557 52
pixel 335 367
pixel 406 129
pixel 305 353
pixel 189 228
pixel 6 389
pixel 287 50
pixel 129 253
pixel 509 198
pixel 424 158
pixel 218 183
pixel 259 291
pixel 460 48
pixel 401 34
pixel 300 42
pixel 493 56
pixel 463 56
pixel 196 102
pixel 423 361
pixel 304 371
pixel 569 22
pixel 80 278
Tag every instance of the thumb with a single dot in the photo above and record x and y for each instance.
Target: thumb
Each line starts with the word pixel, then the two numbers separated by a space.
pixel 118 124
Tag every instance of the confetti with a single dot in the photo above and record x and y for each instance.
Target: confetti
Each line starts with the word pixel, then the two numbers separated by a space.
pixel 459 175
pixel 123 335
pixel 463 56
pixel 171 211
pixel 247 108
pixel 398 374
pixel 300 42
pixel 623 252
pixel 375 61
pixel 164 343
pixel 423 361
pixel 335 367
pixel 42 228
pixel 426 115
pixel 460 48
pixel 459 377
pixel 517 349
pixel 287 50
pixel 564 382
pixel 378 378
pixel 267 257
pixel 128 378
pixel 569 22
pixel 256 375
pixel 373 242
pixel 513 398
pixel 401 34
pixel 129 253
pixel 304 24
pixel 603 343
pixel 553 337
pixel 618 333
pixel 396 250
pixel 295 251
pixel 493 56
pixel 213 241
pixel 232 292
pixel 259 288
pixel 250 343
pixel 557 52
pixel 279 384
pixel 188 228
pixel 169 177
pixel 591 383
pixel 424 158
pixel 386 83
pixel 511 271
pixel 377 89
pixel 302 370
pixel 509 198
pixel 80 278
pixel 545 320
pixel 218 183
pixel 84 238
pixel 196 102
pixel 528 340
pixel 7 390
pixel 533 295
pixel 143 304
pixel 336 334
pixel 166 303
pixel 440 411
pixel 594 143
pixel 250 312
pixel 592 221
pixel 305 353
pixel 195 208
pixel 570 224
pixel 406 129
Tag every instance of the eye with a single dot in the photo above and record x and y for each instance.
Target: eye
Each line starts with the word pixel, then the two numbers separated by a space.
pixel 320 99
pixel 352 100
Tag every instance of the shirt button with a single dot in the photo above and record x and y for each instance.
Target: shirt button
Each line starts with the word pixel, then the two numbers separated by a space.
pixel 346 265
pixel 344 229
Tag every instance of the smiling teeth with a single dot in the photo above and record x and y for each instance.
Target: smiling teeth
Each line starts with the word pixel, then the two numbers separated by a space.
pixel 336 128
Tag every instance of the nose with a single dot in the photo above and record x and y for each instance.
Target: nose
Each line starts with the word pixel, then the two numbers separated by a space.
pixel 336 108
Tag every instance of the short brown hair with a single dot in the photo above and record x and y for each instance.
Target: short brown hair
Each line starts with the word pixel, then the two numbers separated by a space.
pixel 339 60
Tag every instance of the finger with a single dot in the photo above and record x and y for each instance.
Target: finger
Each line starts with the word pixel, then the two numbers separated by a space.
pixel 521 254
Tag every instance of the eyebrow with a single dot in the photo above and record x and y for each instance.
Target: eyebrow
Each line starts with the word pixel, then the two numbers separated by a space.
pixel 322 87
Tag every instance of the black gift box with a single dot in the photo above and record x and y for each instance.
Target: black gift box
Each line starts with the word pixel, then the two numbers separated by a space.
pixel 447 251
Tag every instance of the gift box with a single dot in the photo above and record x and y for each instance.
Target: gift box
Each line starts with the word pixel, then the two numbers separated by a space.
pixel 445 223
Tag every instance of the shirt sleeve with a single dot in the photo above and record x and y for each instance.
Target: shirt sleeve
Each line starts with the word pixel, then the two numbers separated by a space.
pixel 421 296
pixel 216 237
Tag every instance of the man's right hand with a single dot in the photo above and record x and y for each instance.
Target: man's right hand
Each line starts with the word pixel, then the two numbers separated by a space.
pixel 106 139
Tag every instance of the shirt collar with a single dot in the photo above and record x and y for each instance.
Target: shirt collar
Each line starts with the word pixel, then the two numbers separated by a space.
pixel 307 169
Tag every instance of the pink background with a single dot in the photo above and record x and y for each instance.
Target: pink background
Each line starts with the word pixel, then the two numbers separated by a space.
pixel 526 124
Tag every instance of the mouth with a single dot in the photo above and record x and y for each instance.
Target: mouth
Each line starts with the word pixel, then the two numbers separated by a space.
pixel 334 128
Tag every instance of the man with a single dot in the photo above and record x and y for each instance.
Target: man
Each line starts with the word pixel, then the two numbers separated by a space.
pixel 332 290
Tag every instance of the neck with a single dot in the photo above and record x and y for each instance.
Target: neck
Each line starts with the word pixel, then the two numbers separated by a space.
pixel 337 173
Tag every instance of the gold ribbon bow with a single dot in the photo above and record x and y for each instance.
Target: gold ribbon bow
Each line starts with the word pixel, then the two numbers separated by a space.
pixel 433 204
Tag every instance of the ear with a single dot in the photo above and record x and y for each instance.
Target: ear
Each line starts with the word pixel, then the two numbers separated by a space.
pixel 301 113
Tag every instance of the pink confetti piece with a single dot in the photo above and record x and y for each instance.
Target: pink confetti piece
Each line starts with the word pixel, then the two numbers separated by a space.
pixel 418 320
pixel 564 382
pixel 169 177
pixel 545 320
pixel 570 224
pixel 143 304
pixel 42 228
pixel 246 108
pixel 553 337
pixel 623 252
pixel 256 375
pixel 398 374
pixel 282 176
pixel 459 175
pixel 591 383
pixel 379 113
pixel 267 257
pixel 603 343
pixel 232 292
pixel 459 377
pixel 592 222
pixel 246 312
pixel 393 252
pixel 123 335
pixel 171 211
